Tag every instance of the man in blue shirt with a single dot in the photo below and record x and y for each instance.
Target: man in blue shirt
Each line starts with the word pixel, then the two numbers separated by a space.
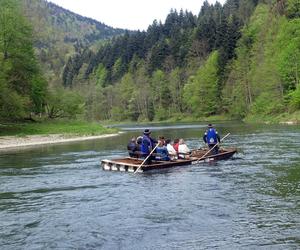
pixel 148 145
pixel 211 138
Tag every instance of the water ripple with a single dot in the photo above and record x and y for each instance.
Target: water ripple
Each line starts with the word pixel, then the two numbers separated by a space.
pixel 60 198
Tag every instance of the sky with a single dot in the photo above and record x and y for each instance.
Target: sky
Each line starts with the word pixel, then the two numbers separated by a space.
pixel 129 14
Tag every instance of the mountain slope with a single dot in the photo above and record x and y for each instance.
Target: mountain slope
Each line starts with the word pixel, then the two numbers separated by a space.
pixel 60 33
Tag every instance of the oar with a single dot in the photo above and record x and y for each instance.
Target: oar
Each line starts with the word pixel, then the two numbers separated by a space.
pixel 212 148
pixel 146 158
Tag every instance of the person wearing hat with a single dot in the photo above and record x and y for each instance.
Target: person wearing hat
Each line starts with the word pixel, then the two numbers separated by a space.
pixel 211 138
pixel 148 144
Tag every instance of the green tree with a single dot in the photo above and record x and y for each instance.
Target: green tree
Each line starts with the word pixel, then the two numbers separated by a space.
pixel 23 79
pixel 247 71
pixel 161 95
pixel 295 99
pixel 95 103
pixel 123 107
pixel 143 94
pixel 176 89
pixel 200 93
pixel 64 103
pixel 293 8
pixel 117 69
pixel 288 58
pixel 101 75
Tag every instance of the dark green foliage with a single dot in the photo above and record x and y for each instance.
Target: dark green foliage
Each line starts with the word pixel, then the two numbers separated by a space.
pixel 170 45
pixel 239 59
pixel 264 78
pixel 23 87
pixel 295 99
pixel 161 60
pixel 159 45
pixel 293 8
pixel 73 66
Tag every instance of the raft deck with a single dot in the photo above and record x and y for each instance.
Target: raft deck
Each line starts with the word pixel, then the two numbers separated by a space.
pixel 132 164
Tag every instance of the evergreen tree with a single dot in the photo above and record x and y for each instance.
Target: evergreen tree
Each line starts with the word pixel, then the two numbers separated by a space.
pixel 176 88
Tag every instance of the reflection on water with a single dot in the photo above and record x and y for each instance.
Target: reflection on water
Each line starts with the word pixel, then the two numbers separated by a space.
pixel 58 197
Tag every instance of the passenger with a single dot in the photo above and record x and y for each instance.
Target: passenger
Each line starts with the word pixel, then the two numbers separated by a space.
pixel 211 137
pixel 139 141
pixel 176 144
pixel 183 150
pixel 148 144
pixel 172 152
pixel 162 138
pixel 162 152
pixel 132 147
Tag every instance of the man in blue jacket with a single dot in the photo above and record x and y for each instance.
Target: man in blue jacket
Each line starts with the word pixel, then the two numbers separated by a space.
pixel 211 137
pixel 148 145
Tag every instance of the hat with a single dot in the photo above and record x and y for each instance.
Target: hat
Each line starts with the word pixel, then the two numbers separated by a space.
pixel 147 132
pixel 210 125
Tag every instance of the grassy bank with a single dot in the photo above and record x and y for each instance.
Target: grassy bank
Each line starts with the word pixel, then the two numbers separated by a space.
pixel 78 128
pixel 82 128
pixel 286 118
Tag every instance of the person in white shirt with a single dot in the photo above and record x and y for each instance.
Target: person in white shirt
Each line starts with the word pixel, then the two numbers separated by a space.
pixel 183 150
pixel 171 150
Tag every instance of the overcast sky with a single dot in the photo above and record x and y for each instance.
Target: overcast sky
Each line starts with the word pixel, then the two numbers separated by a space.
pixel 129 14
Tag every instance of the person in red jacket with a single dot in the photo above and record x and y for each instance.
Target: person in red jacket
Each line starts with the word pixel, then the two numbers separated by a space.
pixel 176 144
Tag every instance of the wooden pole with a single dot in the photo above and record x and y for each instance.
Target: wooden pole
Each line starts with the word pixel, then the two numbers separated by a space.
pixel 146 158
pixel 212 148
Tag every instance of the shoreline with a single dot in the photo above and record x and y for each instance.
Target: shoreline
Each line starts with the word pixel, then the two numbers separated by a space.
pixel 8 143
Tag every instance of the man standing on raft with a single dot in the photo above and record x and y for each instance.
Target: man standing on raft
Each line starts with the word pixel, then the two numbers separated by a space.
pixel 148 145
pixel 211 137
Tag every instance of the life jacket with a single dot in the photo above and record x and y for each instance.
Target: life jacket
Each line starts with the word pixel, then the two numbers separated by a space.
pixel 211 137
pixel 146 143
pixel 175 146
pixel 162 153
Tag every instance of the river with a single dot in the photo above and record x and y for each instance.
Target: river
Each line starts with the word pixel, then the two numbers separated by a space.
pixel 58 197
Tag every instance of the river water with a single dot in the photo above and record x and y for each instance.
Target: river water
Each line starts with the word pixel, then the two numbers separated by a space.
pixel 58 197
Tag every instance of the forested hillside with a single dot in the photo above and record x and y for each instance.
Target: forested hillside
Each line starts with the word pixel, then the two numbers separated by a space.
pixel 263 80
pixel 239 60
pixel 151 75
pixel 60 33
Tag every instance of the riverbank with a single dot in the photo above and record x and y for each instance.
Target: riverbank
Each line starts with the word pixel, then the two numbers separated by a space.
pixel 8 143
pixel 24 135
pixel 79 128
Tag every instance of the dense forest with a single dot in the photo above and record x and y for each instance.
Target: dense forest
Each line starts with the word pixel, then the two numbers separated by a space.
pixel 36 40
pixel 238 60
